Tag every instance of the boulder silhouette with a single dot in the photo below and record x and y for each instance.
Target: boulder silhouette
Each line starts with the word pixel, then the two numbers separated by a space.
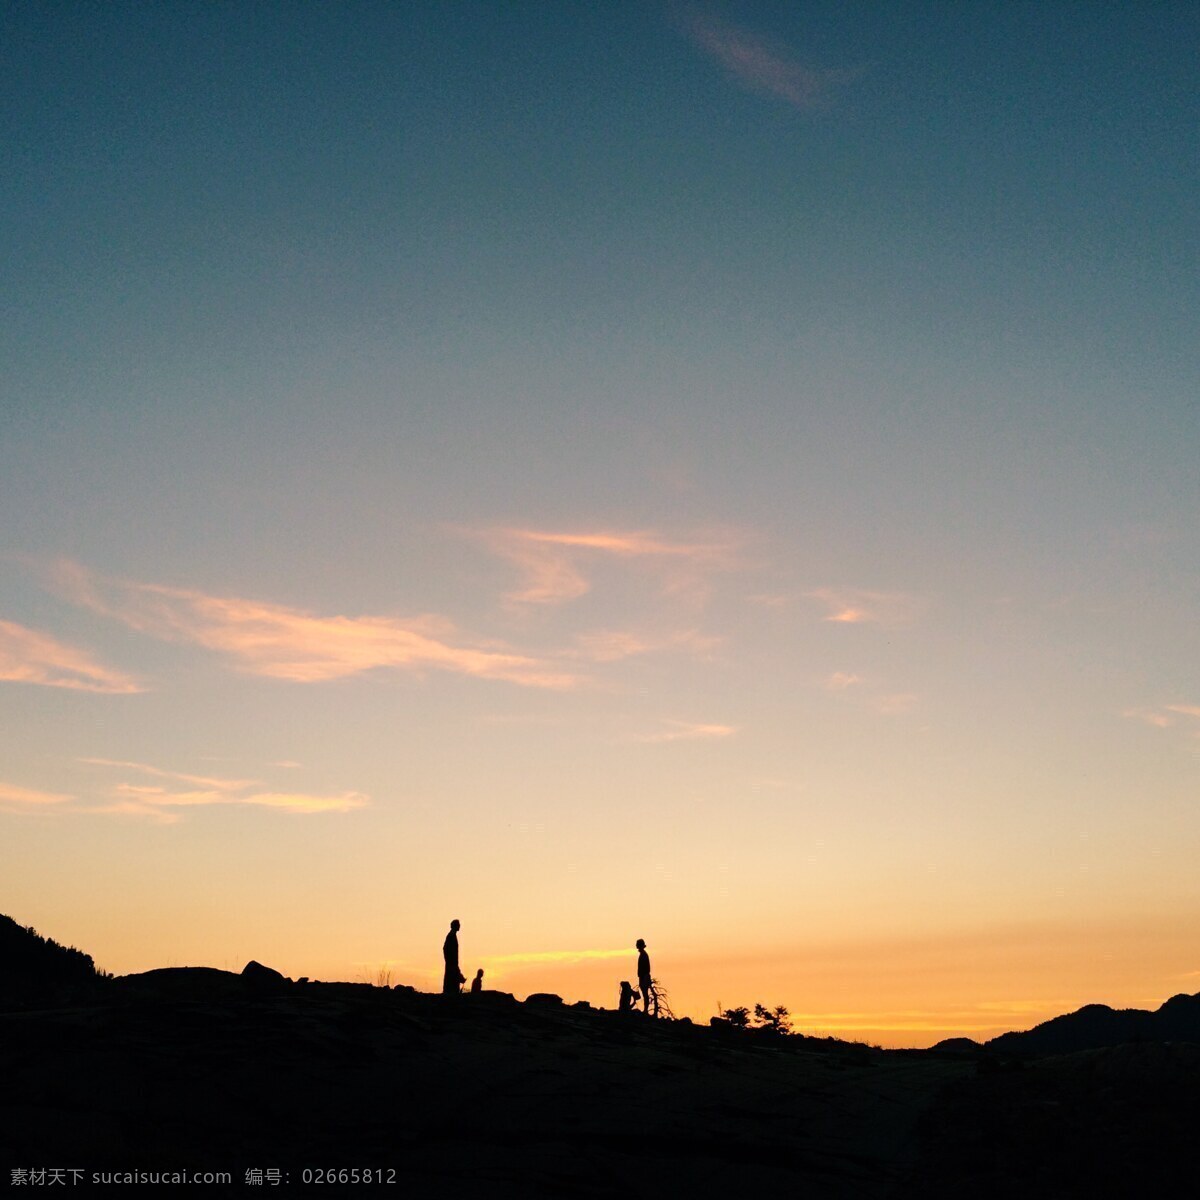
pixel 263 979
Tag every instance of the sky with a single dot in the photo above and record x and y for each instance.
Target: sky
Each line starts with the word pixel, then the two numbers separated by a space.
pixel 720 474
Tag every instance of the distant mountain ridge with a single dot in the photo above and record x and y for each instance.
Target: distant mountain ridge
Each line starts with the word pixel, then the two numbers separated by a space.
pixel 1094 1027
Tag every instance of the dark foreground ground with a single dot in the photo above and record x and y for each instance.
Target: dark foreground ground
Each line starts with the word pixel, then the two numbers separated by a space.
pixel 487 1097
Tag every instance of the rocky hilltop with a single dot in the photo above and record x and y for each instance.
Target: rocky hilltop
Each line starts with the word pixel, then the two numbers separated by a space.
pixel 199 1069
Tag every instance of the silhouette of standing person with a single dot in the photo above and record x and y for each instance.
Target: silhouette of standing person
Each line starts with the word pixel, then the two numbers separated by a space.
pixel 645 983
pixel 454 978
pixel 477 983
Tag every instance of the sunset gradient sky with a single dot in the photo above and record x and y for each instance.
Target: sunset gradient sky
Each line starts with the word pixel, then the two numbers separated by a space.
pixel 727 475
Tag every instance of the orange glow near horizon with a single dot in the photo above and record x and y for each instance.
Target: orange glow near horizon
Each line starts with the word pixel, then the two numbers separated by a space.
pixel 877 991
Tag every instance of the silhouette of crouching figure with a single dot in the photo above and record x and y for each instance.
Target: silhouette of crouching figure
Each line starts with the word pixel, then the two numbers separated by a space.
pixel 477 983
pixel 629 998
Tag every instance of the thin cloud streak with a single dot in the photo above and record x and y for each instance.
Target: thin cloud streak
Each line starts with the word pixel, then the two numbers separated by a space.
pixel 158 801
pixel 857 606
pixel 687 731
pixel 603 646
pixel 287 643
pixel 27 656
pixel 869 694
pixel 758 64
pixel 303 802
pixel 553 956
pixel 549 560
pixel 204 781
pixel 1149 717
pixel 22 799
pixel 1159 718
pixel 146 801
pixel 839 681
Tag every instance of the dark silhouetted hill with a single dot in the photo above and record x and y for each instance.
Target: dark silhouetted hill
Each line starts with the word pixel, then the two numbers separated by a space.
pixel 212 1070
pixel 1096 1026
pixel 463 1095
pixel 1116 1122
pixel 957 1045
pixel 37 972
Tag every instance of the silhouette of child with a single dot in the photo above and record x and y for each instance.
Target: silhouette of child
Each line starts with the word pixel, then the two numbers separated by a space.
pixel 477 983
pixel 629 996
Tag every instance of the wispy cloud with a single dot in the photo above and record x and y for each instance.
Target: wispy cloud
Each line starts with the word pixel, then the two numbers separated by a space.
pixel 839 681
pixel 1149 717
pixel 23 799
pixel 1017 1008
pixel 687 731
pixel 160 801
pixel 204 781
pixel 1165 715
pixel 604 646
pixel 27 656
pixel 856 606
pixel 869 694
pixel 289 643
pixel 760 64
pixel 550 561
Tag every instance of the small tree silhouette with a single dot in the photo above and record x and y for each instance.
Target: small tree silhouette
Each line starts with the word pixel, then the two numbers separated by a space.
pixel 660 1005
pixel 777 1019
pixel 774 1020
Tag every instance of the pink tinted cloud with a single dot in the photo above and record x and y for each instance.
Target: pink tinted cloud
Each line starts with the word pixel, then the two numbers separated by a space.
pixel 289 643
pixel 603 646
pixel 203 781
pixel 1165 716
pixel 27 656
pixel 550 561
pixel 839 681
pixel 162 801
pixel 687 731
pixel 1150 717
pixel 138 798
pixel 22 799
pixel 760 65
pixel 858 606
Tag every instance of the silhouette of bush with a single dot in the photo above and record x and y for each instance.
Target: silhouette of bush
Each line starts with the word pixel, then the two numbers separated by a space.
pixel 775 1020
